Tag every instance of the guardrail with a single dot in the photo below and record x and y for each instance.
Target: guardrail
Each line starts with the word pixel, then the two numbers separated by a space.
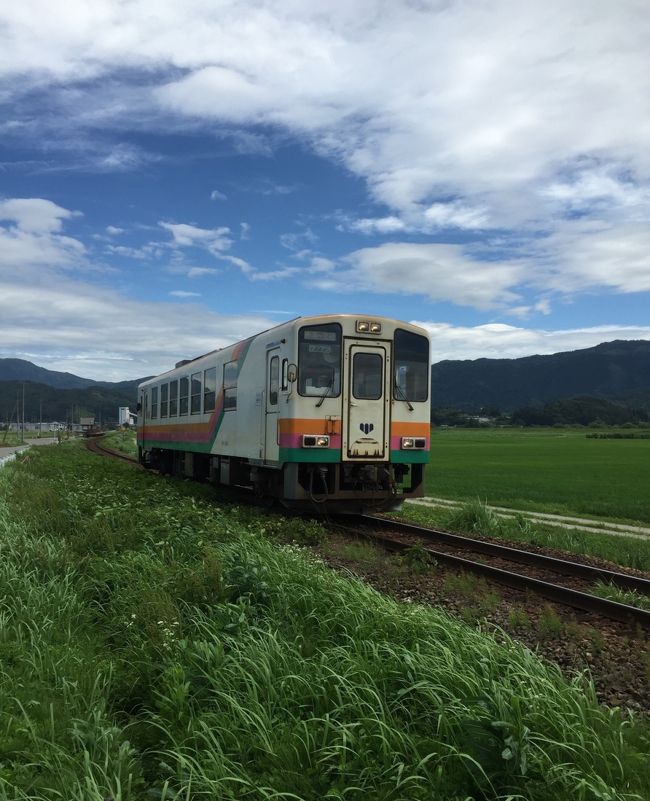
pixel 4 460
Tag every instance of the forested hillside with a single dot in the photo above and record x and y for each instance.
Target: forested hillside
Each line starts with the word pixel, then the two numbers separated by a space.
pixel 618 370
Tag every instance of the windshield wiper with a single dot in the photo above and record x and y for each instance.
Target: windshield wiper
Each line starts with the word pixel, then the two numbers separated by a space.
pixel 403 394
pixel 327 391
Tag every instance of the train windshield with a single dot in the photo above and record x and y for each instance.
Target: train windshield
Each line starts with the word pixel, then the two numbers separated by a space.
pixel 411 366
pixel 319 360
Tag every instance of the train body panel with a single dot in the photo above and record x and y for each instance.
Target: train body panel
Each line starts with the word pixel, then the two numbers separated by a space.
pixel 330 410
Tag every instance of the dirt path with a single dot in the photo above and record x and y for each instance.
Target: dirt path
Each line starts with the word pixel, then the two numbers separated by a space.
pixel 562 521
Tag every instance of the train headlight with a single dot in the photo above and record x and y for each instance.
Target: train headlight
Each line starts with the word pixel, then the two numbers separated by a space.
pixel 413 442
pixel 315 441
pixel 368 327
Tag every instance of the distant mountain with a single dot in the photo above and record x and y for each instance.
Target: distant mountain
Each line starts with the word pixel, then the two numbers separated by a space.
pixel 22 370
pixel 59 395
pixel 618 370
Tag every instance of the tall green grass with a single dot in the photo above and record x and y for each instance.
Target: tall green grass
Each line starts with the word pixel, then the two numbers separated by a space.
pixel 156 646
pixel 474 517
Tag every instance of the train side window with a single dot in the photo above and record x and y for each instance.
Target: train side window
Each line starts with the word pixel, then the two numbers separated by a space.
pixel 183 407
pixel 154 403
pixel 285 377
pixel 230 370
pixel 274 380
pixel 196 393
pixel 411 364
pixel 164 399
pixel 173 398
pixel 209 389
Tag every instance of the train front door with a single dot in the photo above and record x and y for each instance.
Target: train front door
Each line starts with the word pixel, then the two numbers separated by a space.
pixel 271 446
pixel 366 400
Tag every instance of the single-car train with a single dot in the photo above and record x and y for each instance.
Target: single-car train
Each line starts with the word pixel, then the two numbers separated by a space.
pixel 328 413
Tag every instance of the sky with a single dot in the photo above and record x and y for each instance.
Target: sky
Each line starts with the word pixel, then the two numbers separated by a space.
pixel 176 176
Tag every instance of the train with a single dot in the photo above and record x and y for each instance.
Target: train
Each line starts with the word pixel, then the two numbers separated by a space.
pixel 325 413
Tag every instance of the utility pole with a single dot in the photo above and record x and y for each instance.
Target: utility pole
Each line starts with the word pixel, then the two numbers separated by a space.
pixel 40 417
pixel 22 428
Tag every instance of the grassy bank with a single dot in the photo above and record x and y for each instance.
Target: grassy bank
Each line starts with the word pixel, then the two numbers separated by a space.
pixel 156 646
pixel 474 517
pixel 552 470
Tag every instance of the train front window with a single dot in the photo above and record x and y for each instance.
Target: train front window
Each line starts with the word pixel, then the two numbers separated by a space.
pixel 411 366
pixel 319 360
pixel 367 376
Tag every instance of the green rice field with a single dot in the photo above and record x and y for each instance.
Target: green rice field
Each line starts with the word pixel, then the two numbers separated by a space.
pixel 551 470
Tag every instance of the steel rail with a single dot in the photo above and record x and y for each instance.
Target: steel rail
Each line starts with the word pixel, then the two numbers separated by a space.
pixel 554 592
pixel 558 565
pixel 95 446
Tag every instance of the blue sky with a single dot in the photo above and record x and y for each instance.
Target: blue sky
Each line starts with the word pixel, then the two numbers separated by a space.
pixel 176 176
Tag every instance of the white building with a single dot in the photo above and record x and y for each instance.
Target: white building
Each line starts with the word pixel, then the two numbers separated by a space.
pixel 126 417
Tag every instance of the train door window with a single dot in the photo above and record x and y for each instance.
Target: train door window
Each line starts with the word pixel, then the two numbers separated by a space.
pixel 411 366
pixel 184 384
pixel 147 414
pixel 173 398
pixel 164 399
pixel 367 376
pixel 209 389
pixel 230 371
pixel 154 403
pixel 319 360
pixel 195 404
pixel 274 380
pixel 284 384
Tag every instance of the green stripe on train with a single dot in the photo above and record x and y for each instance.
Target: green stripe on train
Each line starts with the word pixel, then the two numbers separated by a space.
pixel 409 457
pixel 195 447
pixel 319 455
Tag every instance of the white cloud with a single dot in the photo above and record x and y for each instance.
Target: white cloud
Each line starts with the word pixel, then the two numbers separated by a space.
pixel 32 240
pixel 35 215
pixel 425 101
pixel 180 293
pixel 199 272
pixel 215 240
pixel 499 341
pixel 275 275
pixel 466 116
pixel 438 271
pixel 588 255
pixel 377 225
pixel 217 195
pixel 99 333
pixel 456 215
pixel 113 230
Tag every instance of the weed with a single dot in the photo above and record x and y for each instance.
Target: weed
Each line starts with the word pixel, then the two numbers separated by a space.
pixel 475 517
pixel 628 597
pixel 518 619
pixel 418 559
pixel 550 624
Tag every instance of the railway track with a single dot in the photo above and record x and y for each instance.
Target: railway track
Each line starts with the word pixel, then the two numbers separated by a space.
pixel 399 537
pixel 95 445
